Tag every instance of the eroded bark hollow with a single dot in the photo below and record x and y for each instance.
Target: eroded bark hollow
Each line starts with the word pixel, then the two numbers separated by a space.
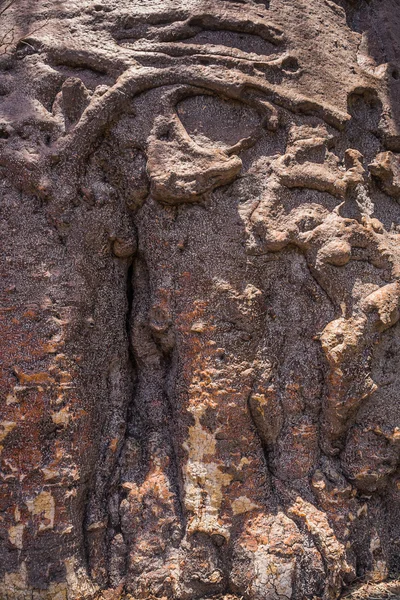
pixel 199 298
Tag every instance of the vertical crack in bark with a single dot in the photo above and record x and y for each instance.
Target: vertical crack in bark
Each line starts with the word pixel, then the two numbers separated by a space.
pixel 101 523
pixel 118 491
pixel 117 565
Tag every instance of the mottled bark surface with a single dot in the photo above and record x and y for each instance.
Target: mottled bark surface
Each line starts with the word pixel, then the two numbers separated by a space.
pixel 200 293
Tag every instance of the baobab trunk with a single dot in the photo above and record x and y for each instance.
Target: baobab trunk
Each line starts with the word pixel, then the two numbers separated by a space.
pixel 200 298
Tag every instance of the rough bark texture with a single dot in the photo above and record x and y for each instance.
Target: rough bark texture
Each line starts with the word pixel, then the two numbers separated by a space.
pixel 199 297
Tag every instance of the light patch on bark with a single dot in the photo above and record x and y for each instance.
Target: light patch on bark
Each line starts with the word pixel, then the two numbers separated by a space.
pixel 242 505
pixel 204 480
pixel 15 535
pixel 44 506
pixel 61 417
pixel 273 575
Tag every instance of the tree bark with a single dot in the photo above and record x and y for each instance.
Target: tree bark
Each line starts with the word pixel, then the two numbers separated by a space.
pixel 200 298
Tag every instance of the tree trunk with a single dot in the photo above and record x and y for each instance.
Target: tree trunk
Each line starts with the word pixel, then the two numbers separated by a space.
pixel 199 298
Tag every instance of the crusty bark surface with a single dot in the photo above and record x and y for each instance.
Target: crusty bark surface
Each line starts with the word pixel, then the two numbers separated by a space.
pixel 200 296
